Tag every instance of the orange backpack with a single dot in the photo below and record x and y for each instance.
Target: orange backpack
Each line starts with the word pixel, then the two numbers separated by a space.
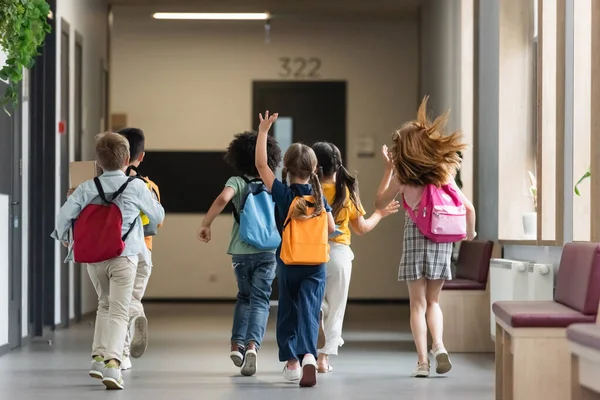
pixel 305 241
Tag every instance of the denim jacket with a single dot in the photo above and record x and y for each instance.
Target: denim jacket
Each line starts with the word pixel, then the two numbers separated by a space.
pixel 135 198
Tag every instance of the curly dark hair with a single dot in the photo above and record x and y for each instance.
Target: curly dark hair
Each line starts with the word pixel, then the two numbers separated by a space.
pixel 240 153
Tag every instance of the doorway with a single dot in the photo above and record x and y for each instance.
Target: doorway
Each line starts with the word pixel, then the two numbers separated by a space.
pixel 309 112
pixel 10 215
pixel 65 86
pixel 78 132
pixel 42 185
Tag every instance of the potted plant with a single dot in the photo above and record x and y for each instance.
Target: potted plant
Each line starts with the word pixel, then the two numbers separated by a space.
pixel 23 28
pixel 530 218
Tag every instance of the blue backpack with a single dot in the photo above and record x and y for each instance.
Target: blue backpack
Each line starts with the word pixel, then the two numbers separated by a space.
pixel 257 216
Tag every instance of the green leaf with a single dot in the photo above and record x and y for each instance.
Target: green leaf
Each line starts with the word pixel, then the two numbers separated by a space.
pixel 23 28
pixel 583 178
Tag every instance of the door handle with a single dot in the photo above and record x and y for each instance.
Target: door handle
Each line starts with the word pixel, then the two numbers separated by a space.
pixel 15 203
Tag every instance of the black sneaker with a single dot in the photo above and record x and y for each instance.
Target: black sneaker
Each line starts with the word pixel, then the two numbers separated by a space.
pixel 237 356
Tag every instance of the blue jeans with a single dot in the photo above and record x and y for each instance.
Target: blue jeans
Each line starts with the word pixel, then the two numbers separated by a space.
pixel 254 274
pixel 301 290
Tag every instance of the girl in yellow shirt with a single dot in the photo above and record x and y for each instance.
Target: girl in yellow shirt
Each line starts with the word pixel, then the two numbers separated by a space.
pixel 341 191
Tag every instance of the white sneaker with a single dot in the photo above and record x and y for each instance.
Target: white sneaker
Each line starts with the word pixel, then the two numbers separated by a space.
pixel 126 363
pixel 249 364
pixel 292 374
pixel 138 329
pixel 309 371
pixel 422 371
pixel 442 360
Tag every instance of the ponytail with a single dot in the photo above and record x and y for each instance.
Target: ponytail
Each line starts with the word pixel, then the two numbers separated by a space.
pixel 300 210
pixel 344 181
pixel 284 174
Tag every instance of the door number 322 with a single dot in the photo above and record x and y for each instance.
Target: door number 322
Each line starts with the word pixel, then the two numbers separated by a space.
pixel 300 67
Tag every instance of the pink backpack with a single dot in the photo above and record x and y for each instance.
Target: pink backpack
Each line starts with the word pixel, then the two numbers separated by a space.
pixel 441 216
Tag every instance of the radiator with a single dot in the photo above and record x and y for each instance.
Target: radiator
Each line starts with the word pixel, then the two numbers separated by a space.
pixel 520 281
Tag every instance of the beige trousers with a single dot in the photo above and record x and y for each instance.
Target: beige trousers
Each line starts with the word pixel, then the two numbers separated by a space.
pixel 113 281
pixel 142 275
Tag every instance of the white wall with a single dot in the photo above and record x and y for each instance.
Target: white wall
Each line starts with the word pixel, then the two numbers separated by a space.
pixel 447 38
pixel 88 18
pixel 189 86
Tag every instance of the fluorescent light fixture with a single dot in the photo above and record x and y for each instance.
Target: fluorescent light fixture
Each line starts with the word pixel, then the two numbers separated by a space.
pixel 213 16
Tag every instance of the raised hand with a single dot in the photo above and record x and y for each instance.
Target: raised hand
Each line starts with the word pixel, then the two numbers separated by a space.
pixel 266 122
pixel 204 234
pixel 390 209
pixel 387 157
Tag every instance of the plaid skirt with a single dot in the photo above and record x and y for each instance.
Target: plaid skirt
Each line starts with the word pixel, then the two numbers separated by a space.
pixel 423 258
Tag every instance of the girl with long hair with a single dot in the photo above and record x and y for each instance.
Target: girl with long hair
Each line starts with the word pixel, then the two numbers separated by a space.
pixel 423 155
pixel 301 287
pixel 340 189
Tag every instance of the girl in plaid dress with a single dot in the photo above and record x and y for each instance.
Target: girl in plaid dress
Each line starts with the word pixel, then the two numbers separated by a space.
pixel 422 154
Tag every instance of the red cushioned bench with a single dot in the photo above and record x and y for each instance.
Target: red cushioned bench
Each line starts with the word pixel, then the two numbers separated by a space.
pixel 585 361
pixel 532 353
pixel 465 300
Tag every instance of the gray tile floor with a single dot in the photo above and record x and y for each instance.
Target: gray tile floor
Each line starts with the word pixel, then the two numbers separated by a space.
pixel 188 359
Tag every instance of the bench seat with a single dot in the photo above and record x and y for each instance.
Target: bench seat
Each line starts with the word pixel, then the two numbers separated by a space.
pixel 585 334
pixel 464 284
pixel 538 314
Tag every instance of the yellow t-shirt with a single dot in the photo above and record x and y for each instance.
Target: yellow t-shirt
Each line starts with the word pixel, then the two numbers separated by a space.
pixel 346 214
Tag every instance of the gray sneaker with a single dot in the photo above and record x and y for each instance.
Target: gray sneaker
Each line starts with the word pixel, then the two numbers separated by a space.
pixel 138 329
pixel 249 365
pixel 113 379
pixel 97 368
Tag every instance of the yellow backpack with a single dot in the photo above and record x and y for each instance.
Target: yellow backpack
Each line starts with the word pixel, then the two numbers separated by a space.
pixel 305 241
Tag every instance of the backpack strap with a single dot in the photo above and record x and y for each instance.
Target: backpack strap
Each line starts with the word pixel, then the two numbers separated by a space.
pixel 123 187
pixel 236 214
pixel 100 190
pixel 129 230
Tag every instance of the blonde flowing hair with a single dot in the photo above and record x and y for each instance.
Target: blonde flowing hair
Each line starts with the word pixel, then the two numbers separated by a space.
pixel 422 154
pixel 300 162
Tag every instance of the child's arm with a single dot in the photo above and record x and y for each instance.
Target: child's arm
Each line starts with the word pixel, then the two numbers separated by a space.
pixel 68 212
pixel 215 209
pixel 260 159
pixel 330 220
pixel 388 189
pixel 360 225
pixel 471 234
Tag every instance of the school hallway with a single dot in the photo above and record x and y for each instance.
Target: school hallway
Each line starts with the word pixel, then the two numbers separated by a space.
pixel 187 358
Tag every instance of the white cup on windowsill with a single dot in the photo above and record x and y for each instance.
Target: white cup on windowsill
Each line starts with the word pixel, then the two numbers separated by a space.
pixel 529 225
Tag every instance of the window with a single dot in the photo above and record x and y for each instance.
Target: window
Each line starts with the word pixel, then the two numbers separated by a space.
pixel 582 117
pixel 518 139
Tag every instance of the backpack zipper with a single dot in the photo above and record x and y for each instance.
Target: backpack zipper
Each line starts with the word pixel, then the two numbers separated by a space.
pixel 424 212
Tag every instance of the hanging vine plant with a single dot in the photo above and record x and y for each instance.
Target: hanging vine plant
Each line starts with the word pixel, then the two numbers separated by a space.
pixel 23 27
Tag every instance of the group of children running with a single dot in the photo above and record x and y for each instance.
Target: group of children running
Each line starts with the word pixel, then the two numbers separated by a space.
pixel 297 229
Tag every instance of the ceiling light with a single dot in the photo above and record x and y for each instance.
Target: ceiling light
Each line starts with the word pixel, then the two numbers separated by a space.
pixel 213 16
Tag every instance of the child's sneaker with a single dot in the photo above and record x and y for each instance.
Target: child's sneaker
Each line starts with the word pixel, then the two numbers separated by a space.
pixel 113 379
pixel 249 364
pixel 126 363
pixel 138 329
pixel 237 356
pixel 309 371
pixel 442 360
pixel 97 368
pixel 292 374
pixel 422 370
